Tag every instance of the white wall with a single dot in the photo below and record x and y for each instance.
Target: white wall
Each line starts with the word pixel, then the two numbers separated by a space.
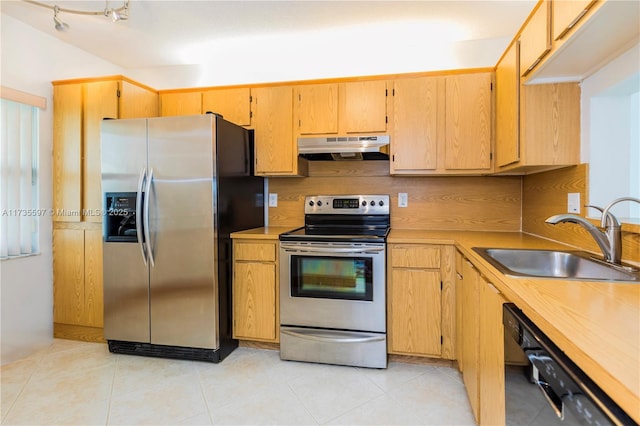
pixel 29 61
pixel 610 128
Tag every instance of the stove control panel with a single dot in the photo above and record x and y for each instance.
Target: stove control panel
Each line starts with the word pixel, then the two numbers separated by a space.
pixel 347 204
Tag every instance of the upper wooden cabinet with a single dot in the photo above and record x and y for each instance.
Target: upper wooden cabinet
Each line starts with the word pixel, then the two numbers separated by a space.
pixel 537 126
pixel 341 108
pixel 276 153
pixel 79 108
pixel 233 104
pixel 414 137
pixel 508 108
pixel 468 121
pixel 180 103
pixel 442 125
pixel 317 108
pixel 535 39
pixel 567 13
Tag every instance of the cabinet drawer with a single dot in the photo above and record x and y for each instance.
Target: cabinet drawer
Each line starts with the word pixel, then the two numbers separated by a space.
pixel 264 252
pixel 415 256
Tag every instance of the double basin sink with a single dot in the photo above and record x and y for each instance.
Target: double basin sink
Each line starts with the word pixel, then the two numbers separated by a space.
pixel 568 265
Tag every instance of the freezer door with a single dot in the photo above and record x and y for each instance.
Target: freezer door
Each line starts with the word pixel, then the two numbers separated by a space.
pixel 125 274
pixel 181 230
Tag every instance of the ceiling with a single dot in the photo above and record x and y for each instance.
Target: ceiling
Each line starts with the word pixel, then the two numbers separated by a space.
pixel 322 35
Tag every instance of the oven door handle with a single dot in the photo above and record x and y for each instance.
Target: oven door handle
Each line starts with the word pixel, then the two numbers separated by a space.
pixel 330 251
pixel 328 336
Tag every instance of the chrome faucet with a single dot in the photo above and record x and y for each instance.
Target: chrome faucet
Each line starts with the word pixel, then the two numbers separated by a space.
pixel 609 240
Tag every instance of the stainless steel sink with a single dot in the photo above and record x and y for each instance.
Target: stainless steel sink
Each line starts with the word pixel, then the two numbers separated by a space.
pixel 569 265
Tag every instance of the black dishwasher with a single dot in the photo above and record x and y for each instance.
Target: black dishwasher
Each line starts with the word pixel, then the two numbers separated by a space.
pixel 549 388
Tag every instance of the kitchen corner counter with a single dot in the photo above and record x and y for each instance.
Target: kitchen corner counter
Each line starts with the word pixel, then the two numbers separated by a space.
pixel 596 323
pixel 264 233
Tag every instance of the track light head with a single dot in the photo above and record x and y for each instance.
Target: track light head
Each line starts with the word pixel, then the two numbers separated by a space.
pixel 59 25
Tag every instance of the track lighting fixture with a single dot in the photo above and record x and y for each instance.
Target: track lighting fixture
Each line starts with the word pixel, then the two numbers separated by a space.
pixel 114 13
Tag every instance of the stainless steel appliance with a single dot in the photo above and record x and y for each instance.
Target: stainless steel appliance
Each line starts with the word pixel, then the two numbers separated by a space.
pixel 332 282
pixel 551 389
pixel 174 189
pixel 352 147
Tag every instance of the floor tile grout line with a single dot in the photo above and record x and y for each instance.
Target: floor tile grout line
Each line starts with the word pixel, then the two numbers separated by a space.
pixel 300 402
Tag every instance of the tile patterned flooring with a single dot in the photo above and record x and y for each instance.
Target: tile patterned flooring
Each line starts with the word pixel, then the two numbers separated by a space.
pixel 78 383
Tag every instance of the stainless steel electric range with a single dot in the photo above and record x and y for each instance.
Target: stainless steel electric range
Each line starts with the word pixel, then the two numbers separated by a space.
pixel 332 282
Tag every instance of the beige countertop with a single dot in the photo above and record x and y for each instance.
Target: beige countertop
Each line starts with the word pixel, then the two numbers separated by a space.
pixel 596 324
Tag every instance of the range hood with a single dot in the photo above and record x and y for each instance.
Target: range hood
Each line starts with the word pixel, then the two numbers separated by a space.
pixel 343 147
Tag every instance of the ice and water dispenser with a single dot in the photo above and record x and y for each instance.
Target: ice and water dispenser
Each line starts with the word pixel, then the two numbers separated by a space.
pixel 120 222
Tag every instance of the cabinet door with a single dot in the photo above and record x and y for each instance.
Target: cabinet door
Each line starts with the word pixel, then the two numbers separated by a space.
pixel 93 311
pixel 274 143
pixel 233 104
pixel 184 103
pixel 508 108
pixel 137 102
pixel 468 122
pixel 254 301
pixel 492 393
pixel 68 275
pixel 415 320
pixel 470 336
pixel 415 131
pixel 567 13
pixel 100 101
pixel 67 146
pixel 535 39
pixel 317 108
pixel 365 106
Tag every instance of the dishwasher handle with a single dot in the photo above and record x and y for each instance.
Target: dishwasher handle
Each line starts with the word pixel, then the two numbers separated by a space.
pixel 552 398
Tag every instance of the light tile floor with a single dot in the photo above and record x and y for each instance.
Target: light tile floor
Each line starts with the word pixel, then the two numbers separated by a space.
pixel 83 384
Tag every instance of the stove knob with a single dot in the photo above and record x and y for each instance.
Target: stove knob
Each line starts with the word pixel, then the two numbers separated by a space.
pixel 381 203
pixel 311 203
pixel 373 203
pixel 319 203
pixel 364 203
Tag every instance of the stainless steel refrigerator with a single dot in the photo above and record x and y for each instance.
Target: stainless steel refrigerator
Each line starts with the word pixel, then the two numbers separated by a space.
pixel 174 188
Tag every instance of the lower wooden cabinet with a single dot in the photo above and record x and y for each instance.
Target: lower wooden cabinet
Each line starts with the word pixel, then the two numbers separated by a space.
pixel 77 283
pixel 481 349
pixel 255 290
pixel 420 300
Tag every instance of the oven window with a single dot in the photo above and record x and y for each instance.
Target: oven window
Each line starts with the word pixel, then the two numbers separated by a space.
pixel 329 277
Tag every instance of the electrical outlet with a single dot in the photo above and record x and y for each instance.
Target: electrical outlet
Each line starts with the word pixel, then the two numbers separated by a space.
pixel 573 202
pixel 273 199
pixel 403 199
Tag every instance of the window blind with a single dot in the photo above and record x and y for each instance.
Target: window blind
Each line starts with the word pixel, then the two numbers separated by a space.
pixel 19 211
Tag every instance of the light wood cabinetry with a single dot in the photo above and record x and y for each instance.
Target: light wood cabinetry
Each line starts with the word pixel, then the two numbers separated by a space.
pixel 255 290
pixel 276 153
pixel 491 357
pixel 233 104
pixel 317 108
pixel 469 333
pixel 567 13
pixel 537 126
pixel 481 349
pixel 341 108
pixel 79 108
pixel 535 38
pixel 420 301
pixel 442 125
pixel 414 137
pixel 468 122
pixel 180 103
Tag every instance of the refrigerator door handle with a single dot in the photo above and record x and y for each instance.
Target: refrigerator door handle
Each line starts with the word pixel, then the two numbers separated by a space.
pixel 147 233
pixel 143 175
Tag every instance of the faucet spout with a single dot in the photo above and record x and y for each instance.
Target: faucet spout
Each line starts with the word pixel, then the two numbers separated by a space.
pixel 596 233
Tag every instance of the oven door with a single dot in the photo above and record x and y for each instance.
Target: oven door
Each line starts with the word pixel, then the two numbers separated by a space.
pixel 333 285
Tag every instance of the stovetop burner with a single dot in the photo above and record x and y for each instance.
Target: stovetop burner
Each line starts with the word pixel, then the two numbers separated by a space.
pixel 349 218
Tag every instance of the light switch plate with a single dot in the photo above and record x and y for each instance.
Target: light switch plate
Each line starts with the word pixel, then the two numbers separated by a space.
pixel 273 199
pixel 403 199
pixel 573 202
